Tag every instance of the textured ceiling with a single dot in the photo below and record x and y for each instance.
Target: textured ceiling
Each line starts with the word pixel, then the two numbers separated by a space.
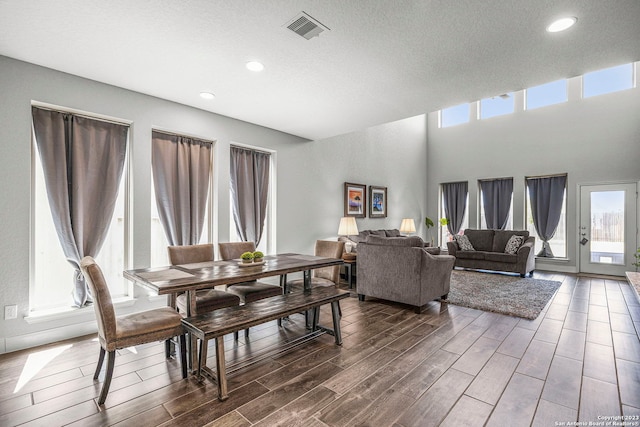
pixel 381 60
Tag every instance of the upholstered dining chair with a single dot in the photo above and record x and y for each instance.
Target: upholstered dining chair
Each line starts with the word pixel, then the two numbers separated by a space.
pixel 246 291
pixel 327 276
pixel 117 332
pixel 206 299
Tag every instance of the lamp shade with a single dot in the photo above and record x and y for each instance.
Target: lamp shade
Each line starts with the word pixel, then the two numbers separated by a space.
pixel 408 226
pixel 348 226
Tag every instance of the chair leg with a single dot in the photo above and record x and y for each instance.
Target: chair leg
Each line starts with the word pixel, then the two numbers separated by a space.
pixel 235 336
pixel 167 348
pixel 246 333
pixel 183 355
pixel 111 358
pixel 100 360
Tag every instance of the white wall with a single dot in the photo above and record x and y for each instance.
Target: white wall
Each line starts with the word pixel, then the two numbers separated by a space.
pixel 594 140
pixel 310 179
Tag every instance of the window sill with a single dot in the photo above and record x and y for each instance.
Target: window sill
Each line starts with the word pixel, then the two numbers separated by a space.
pixel 43 316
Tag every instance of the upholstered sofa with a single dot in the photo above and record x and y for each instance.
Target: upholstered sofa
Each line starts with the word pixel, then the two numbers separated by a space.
pixel 489 251
pixel 400 269
pixel 352 241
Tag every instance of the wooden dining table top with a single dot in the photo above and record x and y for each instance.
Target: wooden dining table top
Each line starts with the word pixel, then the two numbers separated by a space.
pixel 180 278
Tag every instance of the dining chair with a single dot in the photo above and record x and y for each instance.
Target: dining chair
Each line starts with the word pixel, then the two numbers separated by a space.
pixel 118 332
pixel 206 299
pixel 246 291
pixel 321 277
pixel 327 276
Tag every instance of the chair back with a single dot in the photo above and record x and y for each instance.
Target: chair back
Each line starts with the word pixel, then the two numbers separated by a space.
pixel 188 254
pixel 102 304
pixel 233 250
pixel 329 249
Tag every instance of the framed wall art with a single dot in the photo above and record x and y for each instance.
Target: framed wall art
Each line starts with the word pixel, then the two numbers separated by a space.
pixel 355 200
pixel 377 202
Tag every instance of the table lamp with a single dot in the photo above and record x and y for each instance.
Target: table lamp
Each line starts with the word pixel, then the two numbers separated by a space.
pixel 408 226
pixel 347 227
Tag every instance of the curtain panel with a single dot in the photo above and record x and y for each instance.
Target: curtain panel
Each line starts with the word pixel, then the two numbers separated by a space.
pixel 455 204
pixel 496 200
pixel 82 161
pixel 181 168
pixel 249 183
pixel 546 195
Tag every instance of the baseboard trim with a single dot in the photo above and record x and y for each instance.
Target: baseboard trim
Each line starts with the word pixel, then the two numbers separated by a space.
pixel 48 336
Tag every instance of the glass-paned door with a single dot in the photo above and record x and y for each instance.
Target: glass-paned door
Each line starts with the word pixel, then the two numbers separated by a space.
pixel 607 235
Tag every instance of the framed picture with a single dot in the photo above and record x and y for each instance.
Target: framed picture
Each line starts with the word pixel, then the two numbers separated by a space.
pixel 355 200
pixel 377 202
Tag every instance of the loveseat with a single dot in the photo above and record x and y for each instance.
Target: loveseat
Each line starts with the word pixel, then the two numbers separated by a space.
pixel 400 269
pixel 488 251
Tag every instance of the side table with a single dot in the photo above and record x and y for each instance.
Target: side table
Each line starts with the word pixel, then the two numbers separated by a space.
pixel 350 261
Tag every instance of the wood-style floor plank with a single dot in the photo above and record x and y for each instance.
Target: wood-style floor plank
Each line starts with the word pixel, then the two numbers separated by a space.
pixel 448 365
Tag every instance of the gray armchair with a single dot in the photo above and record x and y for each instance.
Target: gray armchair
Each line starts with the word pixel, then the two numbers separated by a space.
pixel 401 270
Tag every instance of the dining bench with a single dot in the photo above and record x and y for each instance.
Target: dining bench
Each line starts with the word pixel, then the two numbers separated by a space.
pixel 216 324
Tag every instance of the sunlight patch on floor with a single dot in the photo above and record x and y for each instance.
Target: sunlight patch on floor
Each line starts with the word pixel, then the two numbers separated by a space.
pixel 36 362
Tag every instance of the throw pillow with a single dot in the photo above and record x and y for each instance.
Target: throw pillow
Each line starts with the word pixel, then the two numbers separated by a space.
pixel 463 243
pixel 513 244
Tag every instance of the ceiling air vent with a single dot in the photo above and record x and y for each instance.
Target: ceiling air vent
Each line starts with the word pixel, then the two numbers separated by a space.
pixel 305 26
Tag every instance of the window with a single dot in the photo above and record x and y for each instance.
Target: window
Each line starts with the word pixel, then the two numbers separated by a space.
pixel 445 236
pixel 546 94
pixel 454 115
pixel 496 203
pixel 608 80
pixel 52 276
pixel 184 166
pixel 261 164
pixel 159 242
pixel 496 106
pixel 559 241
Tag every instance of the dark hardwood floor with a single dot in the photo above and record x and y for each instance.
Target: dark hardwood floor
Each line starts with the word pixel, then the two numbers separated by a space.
pixel 449 366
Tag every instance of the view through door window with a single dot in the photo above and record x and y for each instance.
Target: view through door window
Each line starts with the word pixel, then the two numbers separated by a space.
pixel 607 227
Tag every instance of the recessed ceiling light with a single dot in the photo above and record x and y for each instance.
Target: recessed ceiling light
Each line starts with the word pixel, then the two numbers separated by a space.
pixel 562 24
pixel 255 66
pixel 207 95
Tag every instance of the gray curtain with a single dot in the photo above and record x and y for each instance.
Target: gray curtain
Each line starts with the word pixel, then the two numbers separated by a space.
pixel 496 200
pixel 546 195
pixel 249 191
pixel 455 204
pixel 82 160
pixel 181 168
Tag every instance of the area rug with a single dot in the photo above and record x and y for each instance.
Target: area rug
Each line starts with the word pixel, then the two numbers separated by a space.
pixel 501 293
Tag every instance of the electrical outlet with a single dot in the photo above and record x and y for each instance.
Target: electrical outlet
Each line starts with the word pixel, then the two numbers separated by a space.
pixel 10 312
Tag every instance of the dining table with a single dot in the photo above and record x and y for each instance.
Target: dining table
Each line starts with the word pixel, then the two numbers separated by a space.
pixel 189 278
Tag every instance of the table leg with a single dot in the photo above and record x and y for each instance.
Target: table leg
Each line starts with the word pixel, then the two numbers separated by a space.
pixel 202 357
pixel 192 342
pixel 335 313
pixel 306 276
pixel 221 370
